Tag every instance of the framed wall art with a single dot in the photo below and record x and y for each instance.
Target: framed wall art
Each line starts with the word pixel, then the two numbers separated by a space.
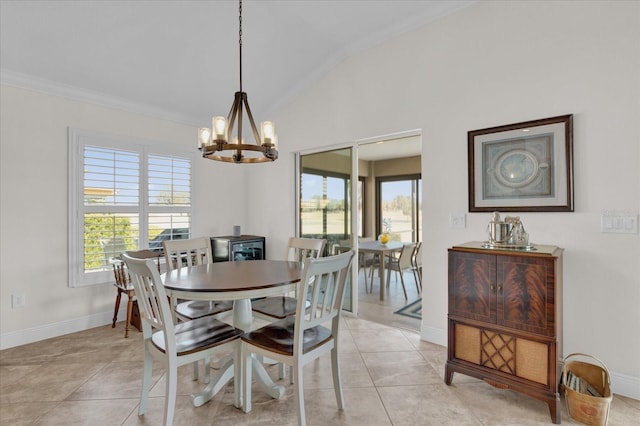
pixel 522 167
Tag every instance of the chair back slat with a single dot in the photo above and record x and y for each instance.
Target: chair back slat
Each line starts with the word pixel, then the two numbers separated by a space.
pixel 405 261
pixel 325 278
pixel 152 298
pixel 194 251
pixel 120 273
pixel 300 249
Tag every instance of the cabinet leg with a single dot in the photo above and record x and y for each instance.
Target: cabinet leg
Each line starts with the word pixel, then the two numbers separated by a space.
pixel 448 375
pixel 555 410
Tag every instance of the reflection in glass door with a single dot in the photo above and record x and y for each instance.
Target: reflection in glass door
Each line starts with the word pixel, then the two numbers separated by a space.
pixel 325 200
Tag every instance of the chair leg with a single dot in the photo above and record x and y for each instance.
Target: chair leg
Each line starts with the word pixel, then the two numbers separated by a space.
pixel 366 284
pixel 416 278
pixel 196 373
pixel 245 386
pixel 207 370
pixel 299 394
pixel 237 366
pixel 337 382
pixel 116 308
pixel 129 312
pixel 281 372
pixel 403 287
pixel 146 382
pixel 171 393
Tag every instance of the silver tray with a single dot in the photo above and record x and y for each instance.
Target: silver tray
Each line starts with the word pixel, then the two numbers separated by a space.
pixel 519 247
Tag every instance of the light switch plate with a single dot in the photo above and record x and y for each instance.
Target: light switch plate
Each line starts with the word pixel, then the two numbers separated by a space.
pixel 457 220
pixel 617 222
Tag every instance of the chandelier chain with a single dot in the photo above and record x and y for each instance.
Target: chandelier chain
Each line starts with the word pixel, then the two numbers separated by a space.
pixel 240 39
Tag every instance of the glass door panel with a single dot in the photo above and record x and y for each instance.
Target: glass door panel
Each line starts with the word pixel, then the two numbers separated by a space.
pixel 325 201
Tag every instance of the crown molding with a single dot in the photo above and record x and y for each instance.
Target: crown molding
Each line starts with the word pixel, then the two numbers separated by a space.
pixel 49 87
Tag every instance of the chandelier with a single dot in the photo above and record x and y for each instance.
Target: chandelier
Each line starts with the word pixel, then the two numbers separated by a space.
pixel 221 144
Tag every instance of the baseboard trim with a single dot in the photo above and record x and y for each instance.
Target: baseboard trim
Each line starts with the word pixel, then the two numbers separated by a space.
pixel 621 384
pixel 433 335
pixel 35 334
pixel 625 385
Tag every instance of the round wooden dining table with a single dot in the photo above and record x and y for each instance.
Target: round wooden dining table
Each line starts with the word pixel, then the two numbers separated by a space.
pixel 239 282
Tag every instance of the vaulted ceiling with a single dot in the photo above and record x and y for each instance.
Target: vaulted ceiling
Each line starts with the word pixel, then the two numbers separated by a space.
pixel 179 59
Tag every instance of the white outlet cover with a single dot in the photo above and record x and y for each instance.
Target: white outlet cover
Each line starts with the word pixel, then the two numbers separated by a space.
pixel 457 220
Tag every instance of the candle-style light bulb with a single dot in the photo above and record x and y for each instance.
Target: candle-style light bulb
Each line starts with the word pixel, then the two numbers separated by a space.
pixel 219 126
pixel 204 136
pixel 268 132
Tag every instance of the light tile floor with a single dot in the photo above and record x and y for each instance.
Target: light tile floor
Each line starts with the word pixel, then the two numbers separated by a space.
pixel 390 377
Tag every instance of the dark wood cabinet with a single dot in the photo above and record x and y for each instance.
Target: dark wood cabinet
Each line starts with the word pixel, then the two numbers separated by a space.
pixel 505 319
pixel 238 248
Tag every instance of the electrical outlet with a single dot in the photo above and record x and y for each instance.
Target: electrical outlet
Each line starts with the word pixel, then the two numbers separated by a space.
pixel 18 300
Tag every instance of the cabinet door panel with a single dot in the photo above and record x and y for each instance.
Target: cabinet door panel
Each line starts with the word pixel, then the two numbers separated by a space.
pixel 525 294
pixel 472 280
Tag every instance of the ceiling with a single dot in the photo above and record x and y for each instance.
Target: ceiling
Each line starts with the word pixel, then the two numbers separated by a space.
pixel 178 60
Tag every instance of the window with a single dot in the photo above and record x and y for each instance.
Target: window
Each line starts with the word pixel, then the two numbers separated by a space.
pixel 123 195
pixel 399 209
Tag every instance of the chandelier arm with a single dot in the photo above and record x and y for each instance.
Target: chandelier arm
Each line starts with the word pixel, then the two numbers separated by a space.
pixel 233 113
pixel 256 135
pixel 240 141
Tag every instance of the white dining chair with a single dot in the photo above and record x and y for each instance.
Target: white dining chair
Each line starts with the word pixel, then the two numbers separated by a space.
pixel 190 252
pixel 311 332
pixel 279 307
pixel 174 345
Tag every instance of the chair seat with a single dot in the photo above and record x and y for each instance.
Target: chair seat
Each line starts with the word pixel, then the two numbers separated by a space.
pixel 193 309
pixel 279 307
pixel 278 337
pixel 198 334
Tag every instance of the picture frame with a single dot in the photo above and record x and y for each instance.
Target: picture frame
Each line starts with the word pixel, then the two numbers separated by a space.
pixel 522 167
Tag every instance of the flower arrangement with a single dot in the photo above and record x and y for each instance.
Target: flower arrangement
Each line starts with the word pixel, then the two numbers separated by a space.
pixel 384 237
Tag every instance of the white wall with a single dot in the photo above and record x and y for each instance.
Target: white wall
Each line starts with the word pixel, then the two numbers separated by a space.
pixel 490 64
pixel 33 246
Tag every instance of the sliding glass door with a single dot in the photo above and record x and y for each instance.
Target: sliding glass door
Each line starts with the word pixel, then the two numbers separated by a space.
pixel 339 191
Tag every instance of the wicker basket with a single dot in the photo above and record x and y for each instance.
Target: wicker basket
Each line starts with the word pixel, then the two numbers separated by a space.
pixel 588 409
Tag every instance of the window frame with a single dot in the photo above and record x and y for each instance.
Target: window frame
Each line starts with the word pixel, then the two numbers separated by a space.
pixel 414 177
pixel 77 140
